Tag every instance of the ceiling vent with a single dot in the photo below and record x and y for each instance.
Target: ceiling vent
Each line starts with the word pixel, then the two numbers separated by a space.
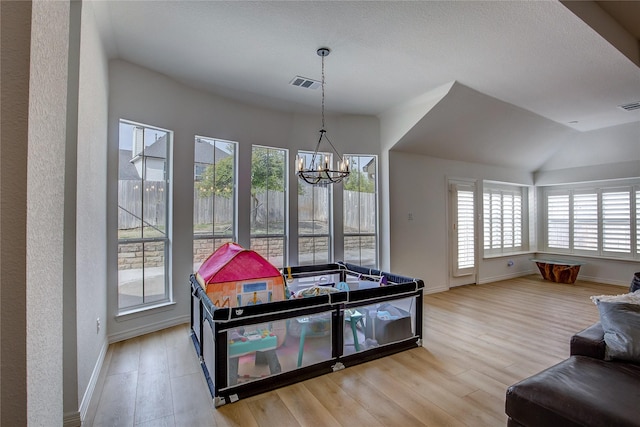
pixel 630 107
pixel 304 82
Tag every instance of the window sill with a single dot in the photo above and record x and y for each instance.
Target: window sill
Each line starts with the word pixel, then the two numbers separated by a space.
pixel 144 311
pixel 602 257
pixel 507 255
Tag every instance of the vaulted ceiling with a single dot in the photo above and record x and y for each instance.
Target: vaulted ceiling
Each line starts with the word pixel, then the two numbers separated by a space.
pixel 534 64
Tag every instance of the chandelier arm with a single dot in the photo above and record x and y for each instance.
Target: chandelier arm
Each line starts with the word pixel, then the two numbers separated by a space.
pixel 317 150
pixel 331 144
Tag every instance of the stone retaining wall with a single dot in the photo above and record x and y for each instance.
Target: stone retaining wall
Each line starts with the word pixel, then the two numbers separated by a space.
pixel 130 255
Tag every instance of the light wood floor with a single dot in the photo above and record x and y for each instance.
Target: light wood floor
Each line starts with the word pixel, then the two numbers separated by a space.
pixel 478 340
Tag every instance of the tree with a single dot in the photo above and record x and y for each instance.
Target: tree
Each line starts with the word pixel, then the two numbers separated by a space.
pixel 359 181
pixel 217 179
pixel 267 174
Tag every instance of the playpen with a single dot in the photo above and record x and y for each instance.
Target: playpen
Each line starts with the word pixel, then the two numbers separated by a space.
pixel 338 315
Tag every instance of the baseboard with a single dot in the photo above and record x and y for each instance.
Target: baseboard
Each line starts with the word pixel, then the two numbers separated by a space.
pixel 72 419
pixel 149 328
pixel 604 280
pixel 435 290
pixel 88 393
pixel 514 275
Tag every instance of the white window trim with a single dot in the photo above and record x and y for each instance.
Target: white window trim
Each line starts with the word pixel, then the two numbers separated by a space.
pixel 523 192
pixel 631 186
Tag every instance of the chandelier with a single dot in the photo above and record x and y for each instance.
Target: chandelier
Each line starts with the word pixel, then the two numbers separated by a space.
pixel 319 171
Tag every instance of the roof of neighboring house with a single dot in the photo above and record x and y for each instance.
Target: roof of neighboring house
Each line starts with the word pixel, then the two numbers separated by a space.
pixel 206 153
pixel 126 169
pixel 158 148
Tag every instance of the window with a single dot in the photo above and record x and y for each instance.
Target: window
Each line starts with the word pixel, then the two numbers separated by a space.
pixel 143 191
pixel 314 219
pixel 505 218
pixel 268 203
pixel 214 196
pixel 361 211
pixel 596 221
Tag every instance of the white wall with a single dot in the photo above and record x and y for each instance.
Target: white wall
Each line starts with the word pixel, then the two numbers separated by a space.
pixel 91 259
pixel 603 148
pixel 46 230
pixel 145 96
pixel 420 247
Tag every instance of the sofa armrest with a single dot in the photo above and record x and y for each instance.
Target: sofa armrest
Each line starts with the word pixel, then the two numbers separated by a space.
pixel 589 342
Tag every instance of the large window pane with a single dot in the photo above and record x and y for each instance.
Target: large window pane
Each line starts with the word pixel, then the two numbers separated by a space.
pixel 314 219
pixel 142 215
pixel 271 248
pixel 268 203
pixel 360 250
pixel 214 198
pixel 130 275
pixel 360 211
pixel 313 250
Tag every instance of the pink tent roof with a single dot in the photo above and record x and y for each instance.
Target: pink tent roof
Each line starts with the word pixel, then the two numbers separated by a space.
pixel 231 262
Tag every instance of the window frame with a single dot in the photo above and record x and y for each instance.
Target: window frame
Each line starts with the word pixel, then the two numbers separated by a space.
pixel 313 236
pixel 632 188
pixel 166 239
pixel 285 209
pixel 457 188
pixel 376 233
pixel 212 236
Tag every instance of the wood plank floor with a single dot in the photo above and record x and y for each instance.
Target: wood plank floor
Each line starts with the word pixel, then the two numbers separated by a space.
pixel 478 341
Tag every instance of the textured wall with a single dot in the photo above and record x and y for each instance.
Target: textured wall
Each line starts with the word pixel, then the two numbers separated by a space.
pixel 91 274
pixel 45 214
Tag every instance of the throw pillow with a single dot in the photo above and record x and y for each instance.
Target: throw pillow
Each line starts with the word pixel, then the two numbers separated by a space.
pixel 621 324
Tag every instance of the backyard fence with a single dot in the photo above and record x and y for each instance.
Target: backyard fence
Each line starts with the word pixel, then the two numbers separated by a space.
pixel 268 206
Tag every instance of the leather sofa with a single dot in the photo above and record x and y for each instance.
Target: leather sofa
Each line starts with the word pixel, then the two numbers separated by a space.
pixel 583 390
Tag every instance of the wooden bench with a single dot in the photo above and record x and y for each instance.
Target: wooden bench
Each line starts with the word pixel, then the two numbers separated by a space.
pixel 559 271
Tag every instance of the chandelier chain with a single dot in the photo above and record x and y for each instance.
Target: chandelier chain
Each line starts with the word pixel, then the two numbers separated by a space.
pixel 323 92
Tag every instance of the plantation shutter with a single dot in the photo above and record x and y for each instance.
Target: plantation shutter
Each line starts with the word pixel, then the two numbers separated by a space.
pixel 585 225
pixel 503 218
pixel 638 222
pixel 558 221
pixel 464 229
pixel 616 221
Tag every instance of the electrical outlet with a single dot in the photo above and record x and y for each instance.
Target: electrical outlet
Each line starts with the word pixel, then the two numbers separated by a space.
pixel 97 325
pixel 410 216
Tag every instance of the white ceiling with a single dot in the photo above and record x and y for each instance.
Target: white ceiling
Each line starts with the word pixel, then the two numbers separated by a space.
pixel 535 55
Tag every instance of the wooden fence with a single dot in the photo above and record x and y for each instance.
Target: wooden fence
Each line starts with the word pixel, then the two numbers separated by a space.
pixel 152 207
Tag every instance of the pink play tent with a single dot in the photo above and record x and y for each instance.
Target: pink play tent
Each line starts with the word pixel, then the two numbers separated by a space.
pixel 233 276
